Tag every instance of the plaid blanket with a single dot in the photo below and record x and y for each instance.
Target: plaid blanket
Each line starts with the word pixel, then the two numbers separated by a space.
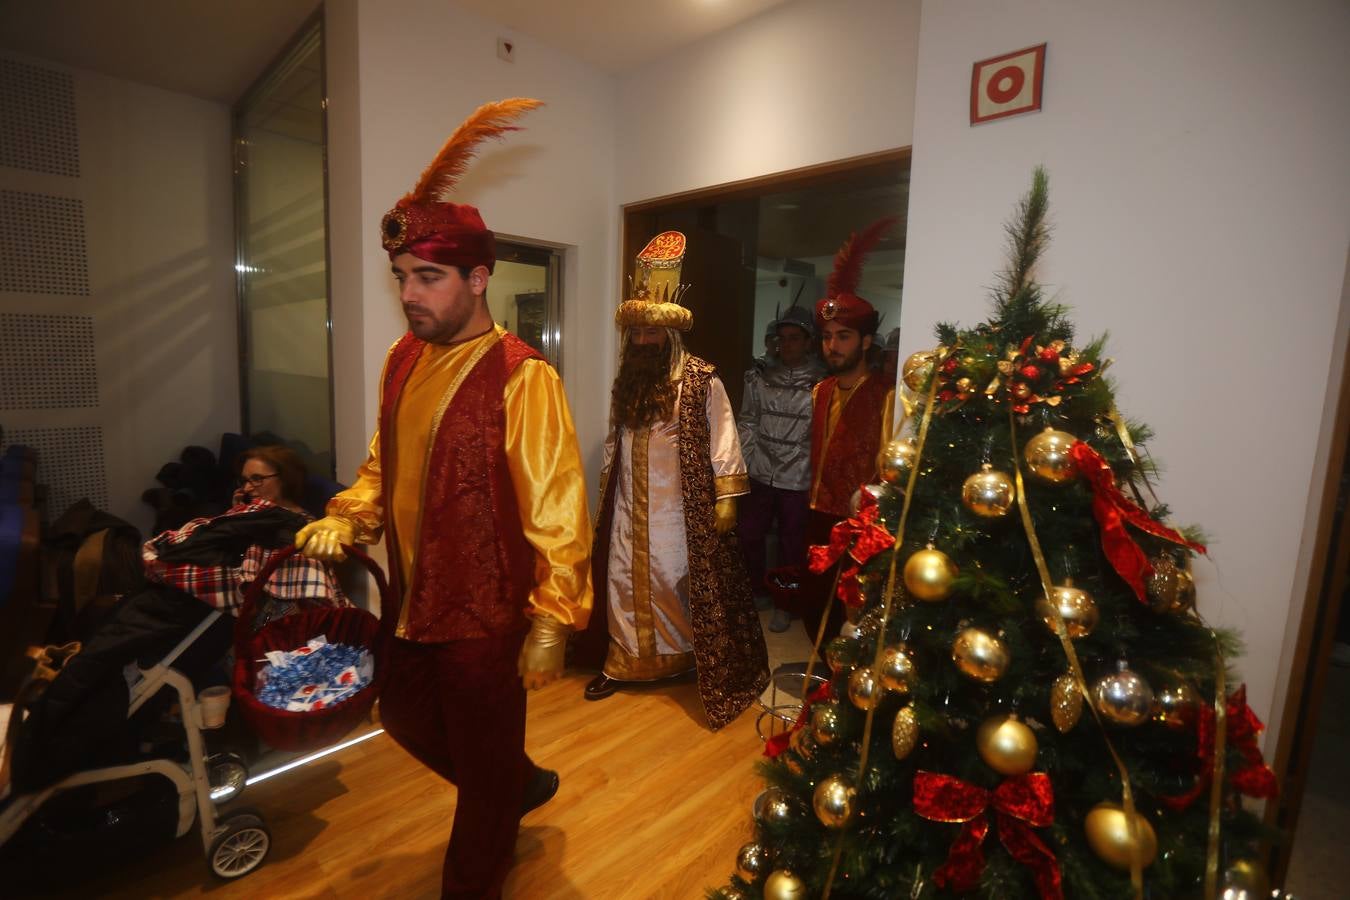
pixel 298 580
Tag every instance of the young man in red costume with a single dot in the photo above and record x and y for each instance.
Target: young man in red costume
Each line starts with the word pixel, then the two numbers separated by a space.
pixel 850 413
pixel 476 480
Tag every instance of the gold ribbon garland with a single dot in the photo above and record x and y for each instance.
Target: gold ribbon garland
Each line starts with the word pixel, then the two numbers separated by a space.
pixel 887 597
pixel 1216 786
pixel 1220 694
pixel 1127 794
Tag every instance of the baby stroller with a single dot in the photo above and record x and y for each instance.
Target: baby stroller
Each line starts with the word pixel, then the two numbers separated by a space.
pixel 235 844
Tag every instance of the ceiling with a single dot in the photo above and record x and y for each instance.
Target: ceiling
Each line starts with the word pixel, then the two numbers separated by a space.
pixel 207 49
pixel 217 49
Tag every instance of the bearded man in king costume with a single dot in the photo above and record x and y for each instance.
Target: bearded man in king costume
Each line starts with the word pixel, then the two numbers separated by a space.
pixel 672 592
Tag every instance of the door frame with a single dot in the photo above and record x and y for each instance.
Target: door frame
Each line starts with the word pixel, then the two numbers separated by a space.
pixel 1329 571
pixel 637 216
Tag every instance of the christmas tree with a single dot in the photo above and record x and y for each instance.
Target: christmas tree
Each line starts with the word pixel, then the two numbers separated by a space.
pixel 1026 703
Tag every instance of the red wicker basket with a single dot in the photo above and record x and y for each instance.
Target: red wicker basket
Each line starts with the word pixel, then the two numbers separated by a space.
pixel 303 731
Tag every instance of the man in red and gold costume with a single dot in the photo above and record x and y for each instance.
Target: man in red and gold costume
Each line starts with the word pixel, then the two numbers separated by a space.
pixel 850 412
pixel 475 478
pixel 669 578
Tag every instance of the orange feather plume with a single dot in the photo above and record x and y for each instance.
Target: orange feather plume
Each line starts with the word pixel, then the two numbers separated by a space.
pixel 491 120
pixel 848 262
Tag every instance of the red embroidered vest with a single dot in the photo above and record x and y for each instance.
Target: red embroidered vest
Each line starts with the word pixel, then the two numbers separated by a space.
pixel 850 460
pixel 473 569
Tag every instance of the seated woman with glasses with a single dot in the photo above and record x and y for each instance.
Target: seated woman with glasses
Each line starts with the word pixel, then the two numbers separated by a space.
pixel 215 559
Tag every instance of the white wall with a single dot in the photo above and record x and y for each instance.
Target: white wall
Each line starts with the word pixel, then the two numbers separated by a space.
pixel 766 96
pixel 155 184
pixel 396 93
pixel 1201 197
pixel 804 83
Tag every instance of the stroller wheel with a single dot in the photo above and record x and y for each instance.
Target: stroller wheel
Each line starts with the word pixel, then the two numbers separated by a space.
pixel 241 847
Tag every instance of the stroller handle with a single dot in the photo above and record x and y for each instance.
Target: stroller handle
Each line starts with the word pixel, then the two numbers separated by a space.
pixel 243 626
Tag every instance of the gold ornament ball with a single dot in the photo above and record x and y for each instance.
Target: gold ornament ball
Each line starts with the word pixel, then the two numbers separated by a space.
pixel 897 458
pixel 834 801
pixel 731 892
pixel 752 862
pixel 1066 702
pixel 1123 697
pixel 827 724
pixel 1175 705
pixel 864 691
pixel 980 655
pixel 989 494
pixel 878 492
pixel 904 732
pixel 773 806
pixel 1047 456
pixel 1245 879
pixel 929 575
pixel 1076 607
pixel 783 885
pixel 897 669
pixel 1108 834
pixel 841 653
pixel 1171 588
pixel 1006 745
pixel 916 370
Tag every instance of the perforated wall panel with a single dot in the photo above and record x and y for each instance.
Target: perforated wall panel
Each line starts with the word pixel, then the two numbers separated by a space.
pixel 70 463
pixel 37 119
pixel 42 249
pixel 47 362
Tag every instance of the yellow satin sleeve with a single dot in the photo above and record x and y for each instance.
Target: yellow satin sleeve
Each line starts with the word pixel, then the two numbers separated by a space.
pixel 545 464
pixel 361 504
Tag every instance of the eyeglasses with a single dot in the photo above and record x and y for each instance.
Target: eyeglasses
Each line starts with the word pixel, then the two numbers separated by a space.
pixel 255 480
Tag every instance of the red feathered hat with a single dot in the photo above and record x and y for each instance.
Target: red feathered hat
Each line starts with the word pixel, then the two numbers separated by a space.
pixel 430 227
pixel 841 304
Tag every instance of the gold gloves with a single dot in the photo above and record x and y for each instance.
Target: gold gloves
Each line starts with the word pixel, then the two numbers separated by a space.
pixel 724 514
pixel 323 539
pixel 541 659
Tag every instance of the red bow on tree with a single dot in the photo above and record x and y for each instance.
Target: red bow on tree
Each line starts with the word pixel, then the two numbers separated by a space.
pixel 1253 778
pixel 779 742
pixel 1113 510
pixel 1022 803
pixel 861 539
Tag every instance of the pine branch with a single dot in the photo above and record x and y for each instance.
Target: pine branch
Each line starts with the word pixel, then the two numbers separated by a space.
pixel 1028 235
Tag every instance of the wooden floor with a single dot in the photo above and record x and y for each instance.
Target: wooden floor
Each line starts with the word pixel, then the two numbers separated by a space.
pixel 652 805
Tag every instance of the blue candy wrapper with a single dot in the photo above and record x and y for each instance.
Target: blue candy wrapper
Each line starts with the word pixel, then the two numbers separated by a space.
pixel 315 676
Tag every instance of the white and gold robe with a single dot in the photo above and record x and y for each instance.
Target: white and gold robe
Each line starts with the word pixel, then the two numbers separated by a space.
pixel 648 564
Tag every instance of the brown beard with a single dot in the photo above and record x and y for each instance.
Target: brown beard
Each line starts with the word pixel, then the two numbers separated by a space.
pixel 643 393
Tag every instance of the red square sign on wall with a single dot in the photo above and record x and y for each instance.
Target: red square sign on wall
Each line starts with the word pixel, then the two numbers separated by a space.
pixel 1007 85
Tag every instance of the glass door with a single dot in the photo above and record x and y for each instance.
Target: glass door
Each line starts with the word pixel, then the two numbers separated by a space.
pixel 282 255
pixel 523 296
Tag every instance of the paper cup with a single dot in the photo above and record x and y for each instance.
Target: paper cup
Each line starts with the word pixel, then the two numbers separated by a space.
pixel 215 702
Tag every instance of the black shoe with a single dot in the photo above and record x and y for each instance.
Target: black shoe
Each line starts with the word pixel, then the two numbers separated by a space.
pixel 543 785
pixel 601 686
